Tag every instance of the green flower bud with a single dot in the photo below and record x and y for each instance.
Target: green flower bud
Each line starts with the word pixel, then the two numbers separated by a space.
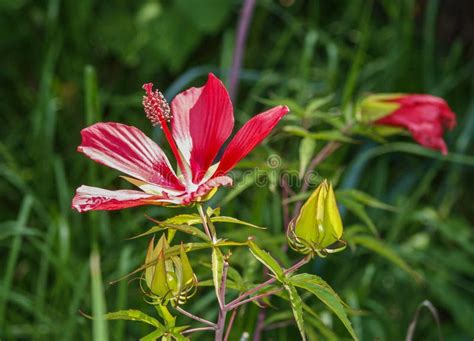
pixel 318 225
pixel 374 107
pixel 169 279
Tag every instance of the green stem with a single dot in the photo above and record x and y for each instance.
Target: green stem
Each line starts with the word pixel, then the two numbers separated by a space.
pixel 207 223
pixel 165 313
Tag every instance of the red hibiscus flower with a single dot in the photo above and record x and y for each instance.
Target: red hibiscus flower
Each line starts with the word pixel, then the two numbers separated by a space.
pixel 201 120
pixel 424 116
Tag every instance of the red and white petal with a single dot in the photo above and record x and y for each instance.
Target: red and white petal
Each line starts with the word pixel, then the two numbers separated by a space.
pixel 203 119
pixel 89 198
pixel 130 151
pixel 206 189
pixel 250 135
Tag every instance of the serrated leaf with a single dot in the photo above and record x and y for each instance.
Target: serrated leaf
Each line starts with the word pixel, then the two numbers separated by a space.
pixel 266 259
pixel 134 315
pixel 306 152
pixel 386 251
pixel 232 220
pixel 313 319
pixel 296 307
pixel 175 250
pixel 194 231
pixel 318 287
pixel 217 270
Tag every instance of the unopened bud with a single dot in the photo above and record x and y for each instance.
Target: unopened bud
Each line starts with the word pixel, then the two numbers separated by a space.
pixel 318 225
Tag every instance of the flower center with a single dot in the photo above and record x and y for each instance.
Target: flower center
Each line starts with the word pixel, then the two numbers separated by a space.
pixel 156 107
pixel 158 111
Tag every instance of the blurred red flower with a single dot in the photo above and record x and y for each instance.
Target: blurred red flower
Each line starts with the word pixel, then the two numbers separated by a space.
pixel 424 116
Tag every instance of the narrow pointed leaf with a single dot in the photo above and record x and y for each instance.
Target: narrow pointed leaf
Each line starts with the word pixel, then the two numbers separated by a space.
pixel 325 294
pixel 364 199
pixel 133 315
pixel 194 231
pixel 297 307
pixel 359 211
pixel 153 336
pixel 386 251
pixel 306 152
pixel 232 220
pixel 266 259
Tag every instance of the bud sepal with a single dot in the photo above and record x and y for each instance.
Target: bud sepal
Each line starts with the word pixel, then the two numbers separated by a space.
pixel 169 279
pixel 318 227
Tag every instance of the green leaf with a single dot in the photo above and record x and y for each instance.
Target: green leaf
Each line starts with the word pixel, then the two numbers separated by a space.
pixel 194 231
pixel 318 287
pixel 176 249
pixel 306 152
pixel 232 220
pixel 297 307
pixel 134 315
pixel 266 259
pixel 313 319
pixel 364 199
pixel 217 270
pixel 229 284
pixel 359 211
pixel 154 335
pixel 327 135
pixel 317 103
pixel 100 328
pixel 386 251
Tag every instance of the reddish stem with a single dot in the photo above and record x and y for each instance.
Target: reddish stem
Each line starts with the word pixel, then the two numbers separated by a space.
pixel 244 22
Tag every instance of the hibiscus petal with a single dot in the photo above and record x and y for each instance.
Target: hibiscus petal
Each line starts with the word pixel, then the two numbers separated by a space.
pixel 425 122
pixel 89 198
pixel 202 121
pixel 250 135
pixel 130 151
pixel 208 189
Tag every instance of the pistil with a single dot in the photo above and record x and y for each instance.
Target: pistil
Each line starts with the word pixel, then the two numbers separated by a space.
pixel 158 111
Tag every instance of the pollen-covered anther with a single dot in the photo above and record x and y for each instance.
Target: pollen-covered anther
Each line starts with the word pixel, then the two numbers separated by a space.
pixel 156 107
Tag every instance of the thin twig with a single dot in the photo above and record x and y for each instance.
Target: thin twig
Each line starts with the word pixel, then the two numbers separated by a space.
pixel 257 335
pixel 244 22
pixel 254 298
pixel 231 323
pixel 222 308
pixel 197 318
pixel 252 291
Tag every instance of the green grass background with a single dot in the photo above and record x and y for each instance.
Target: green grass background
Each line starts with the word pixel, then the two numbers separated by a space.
pixel 68 64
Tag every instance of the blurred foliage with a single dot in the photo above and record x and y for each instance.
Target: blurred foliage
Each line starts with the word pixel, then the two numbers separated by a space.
pixel 67 64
